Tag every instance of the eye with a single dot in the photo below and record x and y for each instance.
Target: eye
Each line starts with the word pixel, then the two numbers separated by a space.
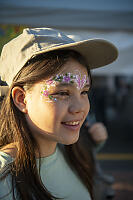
pixel 62 93
pixel 85 92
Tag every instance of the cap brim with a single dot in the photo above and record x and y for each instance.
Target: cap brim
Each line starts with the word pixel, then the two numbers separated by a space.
pixel 97 52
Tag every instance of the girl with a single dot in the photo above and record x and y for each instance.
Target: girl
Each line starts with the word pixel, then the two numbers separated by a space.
pixel 42 155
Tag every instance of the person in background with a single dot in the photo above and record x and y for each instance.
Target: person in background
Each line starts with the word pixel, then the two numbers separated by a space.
pixel 98 135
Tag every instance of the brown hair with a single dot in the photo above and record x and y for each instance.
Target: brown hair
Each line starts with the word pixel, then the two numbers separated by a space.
pixel 14 129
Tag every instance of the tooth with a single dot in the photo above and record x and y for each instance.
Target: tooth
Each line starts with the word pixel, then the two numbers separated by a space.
pixel 72 123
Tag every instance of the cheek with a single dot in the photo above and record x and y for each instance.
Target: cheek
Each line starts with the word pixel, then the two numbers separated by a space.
pixel 45 115
pixel 87 106
pixel 59 110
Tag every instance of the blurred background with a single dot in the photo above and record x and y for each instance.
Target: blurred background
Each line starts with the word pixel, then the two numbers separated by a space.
pixel 112 90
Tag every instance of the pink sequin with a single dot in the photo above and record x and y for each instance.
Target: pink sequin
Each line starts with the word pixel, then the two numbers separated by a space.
pixel 45 93
pixel 66 79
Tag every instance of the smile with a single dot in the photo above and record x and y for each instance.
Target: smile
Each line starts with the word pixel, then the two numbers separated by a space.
pixel 72 123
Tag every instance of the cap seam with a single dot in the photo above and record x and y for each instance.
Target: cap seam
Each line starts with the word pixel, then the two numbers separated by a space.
pixel 56 45
pixel 34 37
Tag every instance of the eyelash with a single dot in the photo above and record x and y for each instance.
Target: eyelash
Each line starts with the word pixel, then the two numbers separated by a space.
pixel 62 93
pixel 85 92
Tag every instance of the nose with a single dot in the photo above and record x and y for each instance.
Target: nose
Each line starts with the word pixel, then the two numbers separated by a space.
pixel 79 105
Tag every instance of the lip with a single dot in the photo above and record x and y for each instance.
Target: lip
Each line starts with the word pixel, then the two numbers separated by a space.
pixel 72 127
pixel 74 120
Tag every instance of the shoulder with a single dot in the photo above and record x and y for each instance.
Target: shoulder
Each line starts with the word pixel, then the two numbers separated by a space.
pixel 7 155
pixel 5 159
pixel 5 178
pixel 10 149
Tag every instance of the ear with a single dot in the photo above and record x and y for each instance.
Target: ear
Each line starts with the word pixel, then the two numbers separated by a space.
pixel 18 95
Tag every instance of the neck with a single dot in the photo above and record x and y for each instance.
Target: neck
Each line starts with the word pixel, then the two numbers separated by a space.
pixel 46 147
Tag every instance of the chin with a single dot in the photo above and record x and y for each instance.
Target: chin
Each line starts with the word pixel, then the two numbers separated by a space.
pixel 72 141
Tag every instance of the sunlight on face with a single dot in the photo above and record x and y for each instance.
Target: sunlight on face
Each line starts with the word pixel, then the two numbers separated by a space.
pixel 57 109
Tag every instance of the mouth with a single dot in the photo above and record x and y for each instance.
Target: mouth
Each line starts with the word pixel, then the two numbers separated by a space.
pixel 72 125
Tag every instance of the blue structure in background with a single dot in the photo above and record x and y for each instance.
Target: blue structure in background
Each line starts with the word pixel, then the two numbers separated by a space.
pixel 114 14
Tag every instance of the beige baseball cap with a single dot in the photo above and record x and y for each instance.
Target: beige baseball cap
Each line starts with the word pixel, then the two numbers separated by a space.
pixel 34 41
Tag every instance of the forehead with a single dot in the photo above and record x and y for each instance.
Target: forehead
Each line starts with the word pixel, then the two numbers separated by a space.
pixel 74 67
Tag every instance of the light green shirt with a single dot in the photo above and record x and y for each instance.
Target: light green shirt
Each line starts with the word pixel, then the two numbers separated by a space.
pixel 56 175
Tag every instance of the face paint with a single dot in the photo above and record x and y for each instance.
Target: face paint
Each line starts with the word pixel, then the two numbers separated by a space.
pixel 45 91
pixel 79 80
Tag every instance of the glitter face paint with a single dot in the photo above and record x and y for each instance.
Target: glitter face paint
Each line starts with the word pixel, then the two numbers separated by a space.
pixel 79 79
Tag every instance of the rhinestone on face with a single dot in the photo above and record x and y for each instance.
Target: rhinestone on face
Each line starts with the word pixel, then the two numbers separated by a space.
pixel 79 79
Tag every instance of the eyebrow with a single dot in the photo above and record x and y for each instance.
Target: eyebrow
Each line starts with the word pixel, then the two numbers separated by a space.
pixel 87 86
pixel 70 85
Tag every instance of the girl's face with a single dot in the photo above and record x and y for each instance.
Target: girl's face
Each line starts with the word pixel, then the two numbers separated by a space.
pixel 57 107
